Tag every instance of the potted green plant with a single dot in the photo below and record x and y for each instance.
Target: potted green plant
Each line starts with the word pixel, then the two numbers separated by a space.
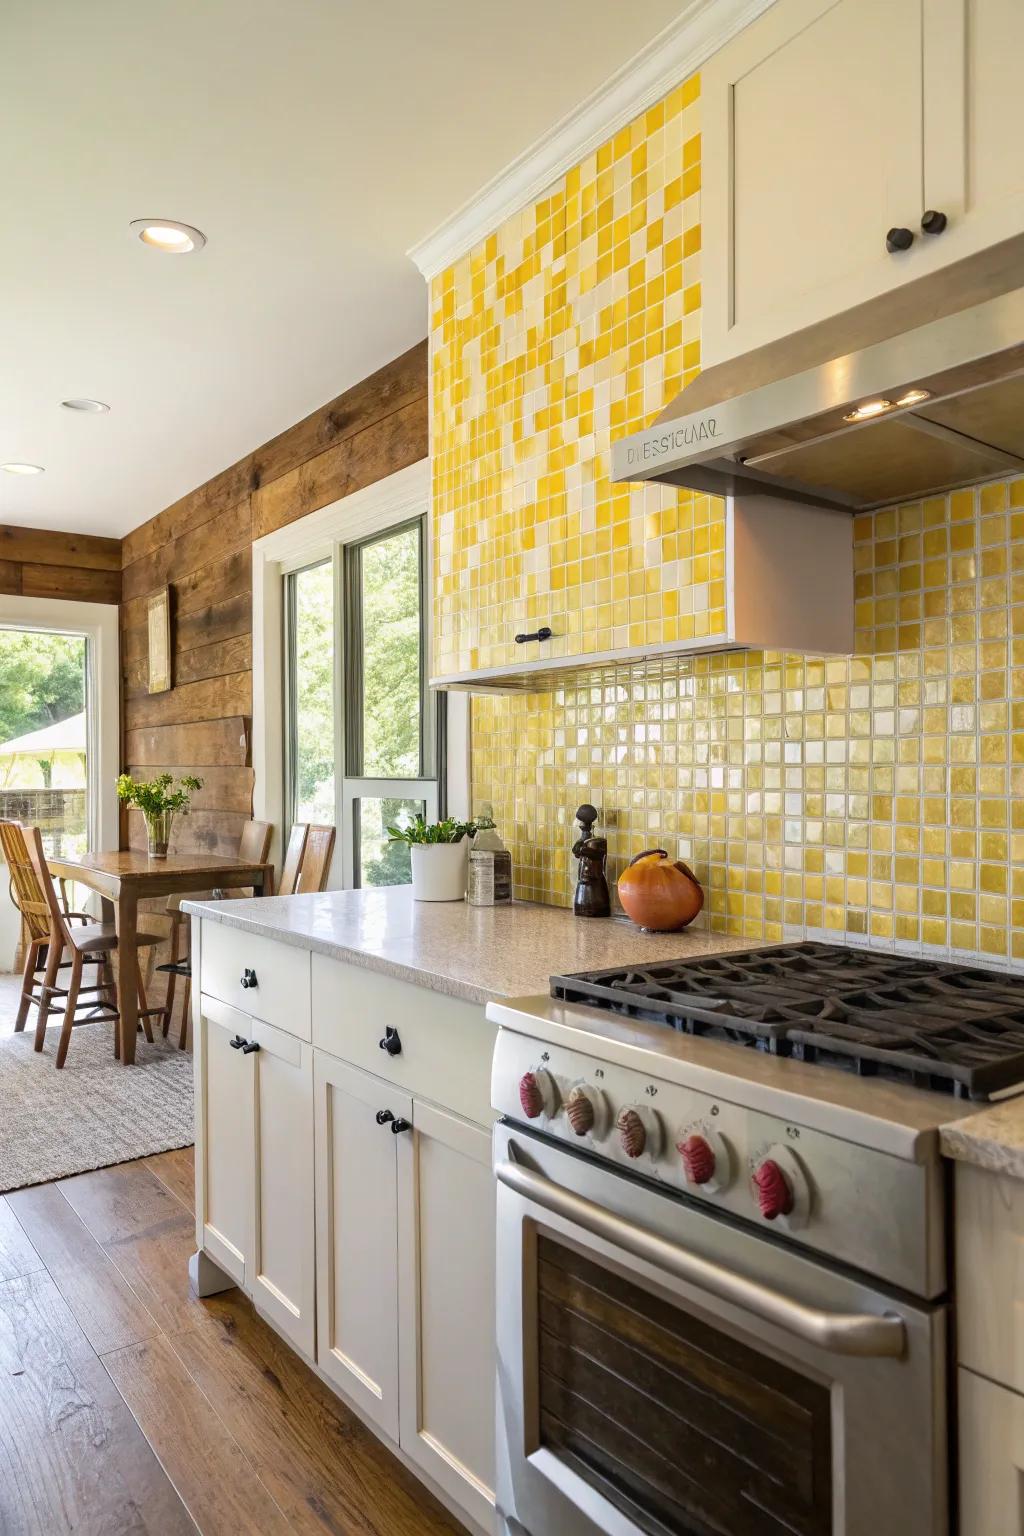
pixel 159 800
pixel 438 853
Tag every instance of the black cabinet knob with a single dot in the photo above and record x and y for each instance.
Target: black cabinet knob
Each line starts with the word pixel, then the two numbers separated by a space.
pixel 399 1125
pixel 933 222
pixel 899 240
pixel 392 1041
pixel 249 1047
pixel 248 978
pixel 384 1117
pixel 237 1043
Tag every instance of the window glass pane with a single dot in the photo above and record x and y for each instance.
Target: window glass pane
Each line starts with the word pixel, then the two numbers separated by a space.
pixel 43 735
pixel 312 694
pixel 379 861
pixel 390 597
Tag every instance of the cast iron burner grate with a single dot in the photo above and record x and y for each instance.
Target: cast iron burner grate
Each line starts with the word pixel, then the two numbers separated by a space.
pixel 952 1028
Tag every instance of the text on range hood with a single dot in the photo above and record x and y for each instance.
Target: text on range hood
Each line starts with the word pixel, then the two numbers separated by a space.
pixel 775 419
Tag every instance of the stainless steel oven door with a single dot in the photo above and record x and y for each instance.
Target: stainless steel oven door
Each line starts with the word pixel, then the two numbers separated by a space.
pixel 662 1370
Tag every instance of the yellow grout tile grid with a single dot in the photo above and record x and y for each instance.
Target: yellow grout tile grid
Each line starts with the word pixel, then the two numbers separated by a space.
pixel 879 797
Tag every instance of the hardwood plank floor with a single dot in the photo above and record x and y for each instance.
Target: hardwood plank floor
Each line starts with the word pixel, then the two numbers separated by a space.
pixel 72 1458
pixel 227 1427
pixel 201 1456
pixel 17 1256
pixel 109 1312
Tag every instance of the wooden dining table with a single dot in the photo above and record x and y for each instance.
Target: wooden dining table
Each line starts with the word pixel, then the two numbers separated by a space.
pixel 123 880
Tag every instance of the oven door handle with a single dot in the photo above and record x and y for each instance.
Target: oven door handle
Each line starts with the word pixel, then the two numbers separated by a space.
pixel 864 1334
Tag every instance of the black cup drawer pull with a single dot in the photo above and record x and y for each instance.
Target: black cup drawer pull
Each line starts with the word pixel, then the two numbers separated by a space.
pixel 392 1041
pixel 237 1043
pixel 248 978
pixel 249 1047
pixel 544 633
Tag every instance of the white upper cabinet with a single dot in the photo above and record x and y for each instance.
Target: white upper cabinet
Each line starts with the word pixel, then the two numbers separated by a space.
pixel 830 123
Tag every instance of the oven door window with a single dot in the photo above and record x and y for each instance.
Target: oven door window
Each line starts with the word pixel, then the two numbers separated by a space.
pixel 684 1429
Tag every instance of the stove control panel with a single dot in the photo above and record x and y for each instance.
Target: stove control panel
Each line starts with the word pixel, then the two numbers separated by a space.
pixel 853 1203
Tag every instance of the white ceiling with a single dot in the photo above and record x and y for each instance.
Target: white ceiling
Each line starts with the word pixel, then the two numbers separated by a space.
pixel 314 141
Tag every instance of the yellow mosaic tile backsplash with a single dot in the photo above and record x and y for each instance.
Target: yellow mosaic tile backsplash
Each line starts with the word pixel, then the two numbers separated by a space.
pixel 878 796
pixel 572 325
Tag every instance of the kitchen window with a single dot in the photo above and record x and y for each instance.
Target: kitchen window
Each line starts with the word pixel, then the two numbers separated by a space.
pixel 364 737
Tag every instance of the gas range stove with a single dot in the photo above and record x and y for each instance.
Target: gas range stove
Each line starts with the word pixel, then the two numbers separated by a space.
pixel 947 1028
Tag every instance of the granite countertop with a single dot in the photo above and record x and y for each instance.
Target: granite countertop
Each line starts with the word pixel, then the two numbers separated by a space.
pixel 482 954
pixel 992 1138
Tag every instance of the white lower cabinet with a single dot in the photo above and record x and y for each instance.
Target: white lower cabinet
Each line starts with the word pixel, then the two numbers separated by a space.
pixel 446 1332
pixel 991 1458
pixel 254 1163
pixel 358 1215
pixel 225 1148
pixel 405 1274
pixel 281 1277
pixel 357 1235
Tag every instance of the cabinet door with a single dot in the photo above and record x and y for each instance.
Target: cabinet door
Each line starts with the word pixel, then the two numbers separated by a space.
pixel 281 1276
pixel 446 1235
pixel 356 1236
pixel 991 1458
pixel 974 146
pixel 812 150
pixel 224 1138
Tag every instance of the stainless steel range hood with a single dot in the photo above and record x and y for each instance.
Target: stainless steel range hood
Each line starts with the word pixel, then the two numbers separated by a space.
pixel 940 361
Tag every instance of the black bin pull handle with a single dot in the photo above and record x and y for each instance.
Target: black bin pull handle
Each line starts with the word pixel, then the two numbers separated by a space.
pixel 544 633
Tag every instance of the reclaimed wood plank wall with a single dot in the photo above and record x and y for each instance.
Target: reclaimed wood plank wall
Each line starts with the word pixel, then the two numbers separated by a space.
pixel 37 562
pixel 201 546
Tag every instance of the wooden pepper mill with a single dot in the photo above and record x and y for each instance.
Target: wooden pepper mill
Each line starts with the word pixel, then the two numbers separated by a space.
pixel 592 897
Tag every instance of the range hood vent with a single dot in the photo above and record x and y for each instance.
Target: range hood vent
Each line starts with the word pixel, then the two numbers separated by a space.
pixel 912 394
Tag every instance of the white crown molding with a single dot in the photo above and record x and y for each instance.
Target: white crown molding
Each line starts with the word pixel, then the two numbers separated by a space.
pixel 700 29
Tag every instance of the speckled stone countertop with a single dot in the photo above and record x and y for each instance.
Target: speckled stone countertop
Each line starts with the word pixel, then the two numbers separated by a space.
pixel 477 953
pixel 992 1138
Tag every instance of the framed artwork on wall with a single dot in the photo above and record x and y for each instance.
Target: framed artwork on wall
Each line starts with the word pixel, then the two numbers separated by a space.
pixel 158 614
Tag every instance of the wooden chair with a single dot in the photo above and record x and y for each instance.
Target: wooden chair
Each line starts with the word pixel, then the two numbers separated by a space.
pixel 293 858
pixel 316 859
pixel 254 845
pixel 35 913
pixel 87 942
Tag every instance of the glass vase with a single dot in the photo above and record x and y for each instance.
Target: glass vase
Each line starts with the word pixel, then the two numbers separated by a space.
pixel 158 833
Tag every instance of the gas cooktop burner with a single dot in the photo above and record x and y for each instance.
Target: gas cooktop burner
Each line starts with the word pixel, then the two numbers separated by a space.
pixel 954 1028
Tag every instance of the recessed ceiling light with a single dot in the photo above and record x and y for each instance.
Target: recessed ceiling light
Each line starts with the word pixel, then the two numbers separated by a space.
pixel 868 409
pixel 914 397
pixel 22 469
pixel 168 235
pixel 93 407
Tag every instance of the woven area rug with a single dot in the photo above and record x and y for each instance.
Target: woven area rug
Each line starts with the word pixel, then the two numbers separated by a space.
pixel 93 1112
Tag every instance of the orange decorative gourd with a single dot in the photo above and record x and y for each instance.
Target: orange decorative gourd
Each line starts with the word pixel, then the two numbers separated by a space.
pixel 658 893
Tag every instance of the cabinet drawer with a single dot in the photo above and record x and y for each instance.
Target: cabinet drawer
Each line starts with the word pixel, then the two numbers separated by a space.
pixel 446 1043
pixel 280 995
pixel 990 1274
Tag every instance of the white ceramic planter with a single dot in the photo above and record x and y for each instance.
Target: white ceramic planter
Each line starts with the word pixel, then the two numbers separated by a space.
pixel 439 870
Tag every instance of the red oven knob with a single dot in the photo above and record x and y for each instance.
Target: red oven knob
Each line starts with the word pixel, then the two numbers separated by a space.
pixel 632 1133
pixel 580 1111
pixel 774 1195
pixel 698 1159
pixel 531 1096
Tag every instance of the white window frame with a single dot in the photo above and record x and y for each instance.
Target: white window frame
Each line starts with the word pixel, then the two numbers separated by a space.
pixel 322 535
pixel 97 623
